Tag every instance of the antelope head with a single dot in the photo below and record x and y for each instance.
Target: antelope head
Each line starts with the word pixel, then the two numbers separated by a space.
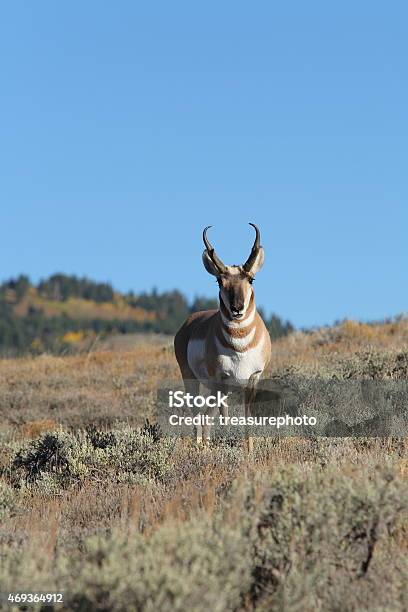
pixel 235 282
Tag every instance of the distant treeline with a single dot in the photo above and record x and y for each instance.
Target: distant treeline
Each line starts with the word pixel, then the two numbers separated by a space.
pixel 41 317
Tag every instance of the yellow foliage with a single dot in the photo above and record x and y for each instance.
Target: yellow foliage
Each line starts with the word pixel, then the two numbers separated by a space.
pixel 78 308
pixel 37 344
pixel 73 337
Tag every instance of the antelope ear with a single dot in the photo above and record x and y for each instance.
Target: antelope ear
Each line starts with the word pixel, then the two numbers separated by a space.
pixel 209 265
pixel 258 263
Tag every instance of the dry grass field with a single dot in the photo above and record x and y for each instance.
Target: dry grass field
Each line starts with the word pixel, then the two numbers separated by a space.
pixel 96 505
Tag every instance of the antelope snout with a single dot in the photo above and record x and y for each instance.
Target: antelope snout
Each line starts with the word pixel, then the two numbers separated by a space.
pixel 237 311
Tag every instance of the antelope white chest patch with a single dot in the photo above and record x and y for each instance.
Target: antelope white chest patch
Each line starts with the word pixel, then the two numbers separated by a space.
pixel 241 365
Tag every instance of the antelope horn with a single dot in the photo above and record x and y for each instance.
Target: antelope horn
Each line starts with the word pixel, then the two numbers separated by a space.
pixel 211 252
pixel 255 249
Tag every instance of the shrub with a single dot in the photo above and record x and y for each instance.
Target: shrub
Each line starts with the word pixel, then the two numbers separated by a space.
pixel 200 565
pixel 276 537
pixel 60 459
pixel 134 453
pixel 7 499
pixel 376 365
pixel 319 535
pixel 59 454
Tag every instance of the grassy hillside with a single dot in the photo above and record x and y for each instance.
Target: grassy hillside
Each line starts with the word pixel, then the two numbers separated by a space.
pixel 65 313
pixel 79 308
pixel 96 504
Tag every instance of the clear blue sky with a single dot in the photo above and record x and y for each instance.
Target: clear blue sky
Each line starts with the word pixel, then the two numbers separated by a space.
pixel 125 127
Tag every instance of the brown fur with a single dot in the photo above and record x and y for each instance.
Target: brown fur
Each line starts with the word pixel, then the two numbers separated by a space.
pixel 195 326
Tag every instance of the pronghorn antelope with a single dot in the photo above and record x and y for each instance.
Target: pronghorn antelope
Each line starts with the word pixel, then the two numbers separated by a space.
pixel 230 345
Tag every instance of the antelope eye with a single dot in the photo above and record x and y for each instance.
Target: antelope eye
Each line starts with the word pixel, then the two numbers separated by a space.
pixel 250 280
